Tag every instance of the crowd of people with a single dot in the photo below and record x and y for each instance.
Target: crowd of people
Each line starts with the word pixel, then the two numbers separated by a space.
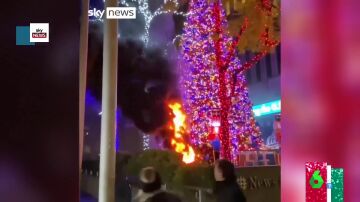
pixel 226 188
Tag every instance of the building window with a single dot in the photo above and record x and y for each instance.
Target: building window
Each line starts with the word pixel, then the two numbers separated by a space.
pixel 258 71
pixel 268 66
pixel 248 76
pixel 245 57
pixel 278 57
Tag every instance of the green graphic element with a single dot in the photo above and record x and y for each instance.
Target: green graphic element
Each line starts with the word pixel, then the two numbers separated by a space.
pixel 337 180
pixel 318 178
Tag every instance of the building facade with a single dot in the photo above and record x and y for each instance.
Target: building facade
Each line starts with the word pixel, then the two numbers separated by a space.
pixel 264 87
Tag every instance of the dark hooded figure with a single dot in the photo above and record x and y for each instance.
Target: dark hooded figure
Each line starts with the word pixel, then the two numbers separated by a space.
pixel 151 190
pixel 226 187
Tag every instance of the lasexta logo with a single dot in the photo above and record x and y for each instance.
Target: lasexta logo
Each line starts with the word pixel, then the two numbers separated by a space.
pixel 324 183
pixel 316 177
pixel 316 180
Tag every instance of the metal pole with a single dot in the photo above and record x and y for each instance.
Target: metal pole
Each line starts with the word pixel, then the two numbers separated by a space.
pixel 200 195
pixel 84 31
pixel 108 117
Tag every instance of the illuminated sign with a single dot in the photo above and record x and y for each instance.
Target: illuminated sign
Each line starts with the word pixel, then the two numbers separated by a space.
pixel 267 108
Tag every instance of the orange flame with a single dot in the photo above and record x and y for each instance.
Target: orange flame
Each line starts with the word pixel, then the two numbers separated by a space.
pixel 179 126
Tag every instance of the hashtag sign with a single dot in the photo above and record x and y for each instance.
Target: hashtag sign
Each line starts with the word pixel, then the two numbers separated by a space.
pixel 242 183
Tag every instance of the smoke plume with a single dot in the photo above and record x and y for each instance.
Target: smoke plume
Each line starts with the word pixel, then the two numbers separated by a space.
pixel 146 81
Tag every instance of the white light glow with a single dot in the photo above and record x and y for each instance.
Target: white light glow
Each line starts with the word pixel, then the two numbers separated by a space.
pixel 143 7
pixel 216 130
pixel 146 141
pixel 267 108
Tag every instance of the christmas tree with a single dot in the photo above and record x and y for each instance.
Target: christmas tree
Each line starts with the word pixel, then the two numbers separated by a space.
pixel 213 82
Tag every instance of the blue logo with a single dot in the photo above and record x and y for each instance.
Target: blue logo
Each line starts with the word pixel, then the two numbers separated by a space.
pixel 23 36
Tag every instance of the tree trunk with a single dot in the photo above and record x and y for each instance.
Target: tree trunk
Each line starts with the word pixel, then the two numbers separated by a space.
pixel 224 124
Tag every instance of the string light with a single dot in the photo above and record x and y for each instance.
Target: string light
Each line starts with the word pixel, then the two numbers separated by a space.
pixel 207 71
pixel 146 141
pixel 143 7
pixel 177 37
pixel 265 6
pixel 267 43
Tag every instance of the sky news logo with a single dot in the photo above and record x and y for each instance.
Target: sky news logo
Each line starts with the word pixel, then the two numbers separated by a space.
pixel 29 35
pixel 114 13
pixel 38 34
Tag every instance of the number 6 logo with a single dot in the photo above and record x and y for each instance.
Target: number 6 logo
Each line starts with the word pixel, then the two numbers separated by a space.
pixel 316 180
